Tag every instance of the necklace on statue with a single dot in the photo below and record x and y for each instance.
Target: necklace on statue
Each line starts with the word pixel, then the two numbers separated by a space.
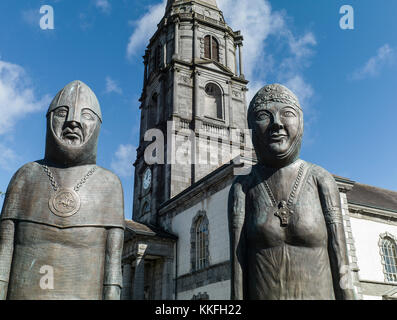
pixel 284 208
pixel 65 202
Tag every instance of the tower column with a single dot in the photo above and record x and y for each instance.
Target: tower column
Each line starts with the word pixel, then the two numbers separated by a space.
pixel 176 39
pixel 139 278
pixel 196 100
pixel 166 293
pixel 127 281
pixel 226 51
pixel 145 61
pixel 235 60
pixel 175 91
pixel 240 55
pixel 195 49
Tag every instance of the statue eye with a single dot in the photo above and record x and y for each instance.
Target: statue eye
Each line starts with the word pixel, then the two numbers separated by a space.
pixel 288 114
pixel 62 113
pixel 262 115
pixel 87 116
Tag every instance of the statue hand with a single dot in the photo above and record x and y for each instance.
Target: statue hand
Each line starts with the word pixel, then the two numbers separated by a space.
pixel 111 293
pixel 3 290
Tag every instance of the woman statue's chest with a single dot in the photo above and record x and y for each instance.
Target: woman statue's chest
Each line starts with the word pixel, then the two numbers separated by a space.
pixel 281 210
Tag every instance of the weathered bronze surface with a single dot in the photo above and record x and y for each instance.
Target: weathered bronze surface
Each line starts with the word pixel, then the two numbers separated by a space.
pixel 62 222
pixel 285 219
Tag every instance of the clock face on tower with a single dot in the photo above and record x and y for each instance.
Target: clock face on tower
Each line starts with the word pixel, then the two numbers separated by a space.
pixel 147 179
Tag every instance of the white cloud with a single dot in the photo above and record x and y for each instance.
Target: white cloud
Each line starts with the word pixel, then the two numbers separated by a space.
pixel 103 5
pixel 31 16
pixel 7 158
pixel 259 25
pixel 17 97
pixel 145 27
pixel 123 160
pixel 302 89
pixel 112 86
pixel 385 56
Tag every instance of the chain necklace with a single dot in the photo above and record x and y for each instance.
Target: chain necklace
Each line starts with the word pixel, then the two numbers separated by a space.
pixel 284 211
pixel 65 202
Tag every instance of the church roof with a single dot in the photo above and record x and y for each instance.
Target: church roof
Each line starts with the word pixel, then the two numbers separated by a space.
pixel 146 230
pixel 374 197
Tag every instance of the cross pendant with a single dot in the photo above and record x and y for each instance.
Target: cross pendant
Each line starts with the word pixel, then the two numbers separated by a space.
pixel 284 213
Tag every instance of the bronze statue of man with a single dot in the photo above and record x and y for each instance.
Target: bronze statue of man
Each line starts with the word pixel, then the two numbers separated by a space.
pixel 285 220
pixel 62 223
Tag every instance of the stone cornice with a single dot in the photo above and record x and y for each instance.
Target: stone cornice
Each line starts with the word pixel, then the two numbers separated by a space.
pixel 373 213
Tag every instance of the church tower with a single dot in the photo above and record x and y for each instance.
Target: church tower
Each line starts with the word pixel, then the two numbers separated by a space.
pixel 194 93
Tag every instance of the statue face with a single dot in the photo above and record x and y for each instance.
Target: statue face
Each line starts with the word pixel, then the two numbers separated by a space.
pixel 73 126
pixel 276 126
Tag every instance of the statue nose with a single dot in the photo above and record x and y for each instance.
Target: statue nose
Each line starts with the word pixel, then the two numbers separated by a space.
pixel 73 124
pixel 277 124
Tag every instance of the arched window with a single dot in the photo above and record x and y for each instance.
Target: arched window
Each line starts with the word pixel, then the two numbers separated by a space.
pixel 199 242
pixel 388 251
pixel 211 48
pixel 213 101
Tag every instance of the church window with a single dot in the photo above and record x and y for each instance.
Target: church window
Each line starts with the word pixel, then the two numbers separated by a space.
pixel 213 101
pixel 388 251
pixel 211 48
pixel 200 242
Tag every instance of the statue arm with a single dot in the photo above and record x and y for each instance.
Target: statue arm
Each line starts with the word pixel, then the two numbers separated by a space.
pixel 112 277
pixel 7 230
pixel 237 239
pixel 337 250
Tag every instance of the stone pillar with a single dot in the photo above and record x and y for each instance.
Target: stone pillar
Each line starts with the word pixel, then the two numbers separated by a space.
pixel 165 52
pixel 127 281
pixel 175 92
pixel 235 60
pixel 350 245
pixel 139 278
pixel 195 49
pixel 145 61
pixel 226 51
pixel 240 55
pixel 167 279
pixel 176 39
pixel 196 95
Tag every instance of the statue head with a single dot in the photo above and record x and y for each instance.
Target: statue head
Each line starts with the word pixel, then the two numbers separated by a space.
pixel 276 120
pixel 73 123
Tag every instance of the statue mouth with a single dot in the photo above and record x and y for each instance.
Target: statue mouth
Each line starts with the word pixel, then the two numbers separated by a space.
pixel 72 136
pixel 275 137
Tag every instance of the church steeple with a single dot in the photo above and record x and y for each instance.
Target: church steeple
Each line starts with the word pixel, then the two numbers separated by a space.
pixel 195 93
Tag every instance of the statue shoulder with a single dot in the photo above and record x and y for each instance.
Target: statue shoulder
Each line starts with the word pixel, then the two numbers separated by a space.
pixel 26 172
pixel 108 177
pixel 322 176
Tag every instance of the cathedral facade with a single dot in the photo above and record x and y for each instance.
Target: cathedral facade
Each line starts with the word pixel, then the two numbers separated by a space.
pixel 193 142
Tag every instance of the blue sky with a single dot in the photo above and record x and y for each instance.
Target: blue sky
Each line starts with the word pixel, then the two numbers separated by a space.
pixel 346 79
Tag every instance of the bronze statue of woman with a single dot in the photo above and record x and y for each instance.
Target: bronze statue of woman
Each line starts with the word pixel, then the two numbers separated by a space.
pixel 285 220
